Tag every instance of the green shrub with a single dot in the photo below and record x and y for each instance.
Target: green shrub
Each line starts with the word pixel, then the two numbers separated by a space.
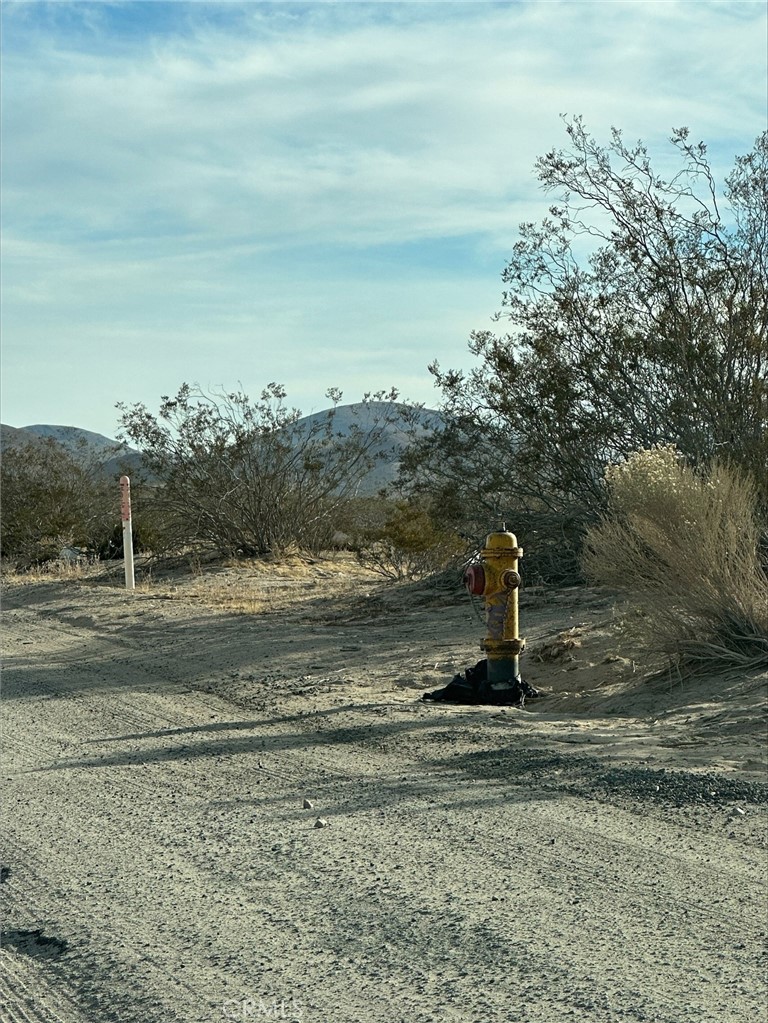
pixel 53 498
pixel 409 545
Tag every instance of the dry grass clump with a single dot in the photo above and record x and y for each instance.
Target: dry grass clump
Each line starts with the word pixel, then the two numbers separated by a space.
pixel 560 648
pixel 221 596
pixel 257 586
pixel 685 546
pixel 252 586
pixel 54 570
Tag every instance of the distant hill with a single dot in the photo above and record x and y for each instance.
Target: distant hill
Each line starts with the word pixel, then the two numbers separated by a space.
pixel 365 415
pixel 117 457
pixel 11 435
pixel 72 437
pixel 400 420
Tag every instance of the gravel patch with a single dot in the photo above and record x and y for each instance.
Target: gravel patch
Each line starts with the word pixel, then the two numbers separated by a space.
pixel 589 777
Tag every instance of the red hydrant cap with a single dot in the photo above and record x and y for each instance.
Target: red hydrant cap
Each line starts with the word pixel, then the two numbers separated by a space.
pixel 474 579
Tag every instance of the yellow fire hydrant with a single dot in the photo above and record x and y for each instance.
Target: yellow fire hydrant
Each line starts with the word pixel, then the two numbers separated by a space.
pixel 496 578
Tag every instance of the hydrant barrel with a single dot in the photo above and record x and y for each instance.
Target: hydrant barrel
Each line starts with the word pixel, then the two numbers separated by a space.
pixel 502 645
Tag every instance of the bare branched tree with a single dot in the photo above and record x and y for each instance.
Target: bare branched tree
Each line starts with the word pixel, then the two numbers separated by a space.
pixel 251 476
pixel 638 315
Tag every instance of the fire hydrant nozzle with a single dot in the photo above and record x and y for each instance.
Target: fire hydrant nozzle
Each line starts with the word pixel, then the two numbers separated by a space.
pixel 496 578
pixel 510 579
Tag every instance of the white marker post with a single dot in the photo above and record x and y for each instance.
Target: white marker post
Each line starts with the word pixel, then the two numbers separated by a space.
pixel 125 511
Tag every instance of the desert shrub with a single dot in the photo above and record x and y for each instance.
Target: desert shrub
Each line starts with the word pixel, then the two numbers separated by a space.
pixel 360 516
pixel 633 315
pixel 686 546
pixel 409 544
pixel 251 477
pixel 53 498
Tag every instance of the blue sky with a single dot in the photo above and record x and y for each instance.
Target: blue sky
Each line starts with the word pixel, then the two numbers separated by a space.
pixel 318 194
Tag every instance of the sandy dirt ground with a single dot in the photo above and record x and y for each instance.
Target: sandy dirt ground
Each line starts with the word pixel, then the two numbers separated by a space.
pixel 224 799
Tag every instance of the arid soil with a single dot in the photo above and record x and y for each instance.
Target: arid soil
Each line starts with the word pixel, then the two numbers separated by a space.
pixel 225 799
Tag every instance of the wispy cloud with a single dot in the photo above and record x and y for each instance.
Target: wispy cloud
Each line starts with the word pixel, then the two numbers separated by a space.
pixel 214 166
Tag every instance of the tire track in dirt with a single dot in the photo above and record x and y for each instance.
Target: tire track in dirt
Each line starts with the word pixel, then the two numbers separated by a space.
pixel 493 862
pixel 28 997
pixel 185 877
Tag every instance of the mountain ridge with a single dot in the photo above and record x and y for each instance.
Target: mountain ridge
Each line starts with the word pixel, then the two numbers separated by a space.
pixel 403 421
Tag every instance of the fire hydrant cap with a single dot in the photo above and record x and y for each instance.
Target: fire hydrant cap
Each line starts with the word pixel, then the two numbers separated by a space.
pixel 496 540
pixel 474 579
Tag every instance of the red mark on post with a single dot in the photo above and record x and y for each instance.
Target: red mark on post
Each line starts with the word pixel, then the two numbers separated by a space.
pixel 125 498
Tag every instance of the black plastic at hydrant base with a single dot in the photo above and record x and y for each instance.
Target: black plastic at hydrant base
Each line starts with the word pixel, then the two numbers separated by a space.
pixel 473 687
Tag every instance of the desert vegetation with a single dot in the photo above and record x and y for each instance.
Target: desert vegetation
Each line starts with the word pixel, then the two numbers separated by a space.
pixel 686 545
pixel 409 543
pixel 242 476
pixel 53 499
pixel 636 315
pixel 620 422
